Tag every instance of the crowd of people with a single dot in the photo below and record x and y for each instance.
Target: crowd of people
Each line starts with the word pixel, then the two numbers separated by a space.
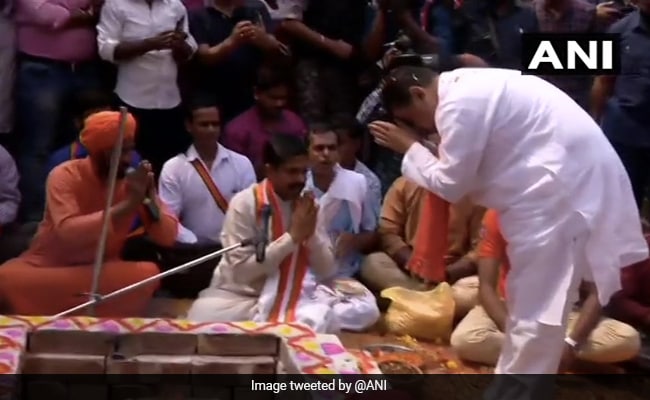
pixel 242 108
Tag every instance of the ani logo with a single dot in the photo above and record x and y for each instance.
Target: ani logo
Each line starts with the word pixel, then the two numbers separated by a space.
pixel 571 54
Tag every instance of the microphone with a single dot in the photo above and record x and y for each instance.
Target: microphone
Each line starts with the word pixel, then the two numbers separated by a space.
pixel 263 238
pixel 149 205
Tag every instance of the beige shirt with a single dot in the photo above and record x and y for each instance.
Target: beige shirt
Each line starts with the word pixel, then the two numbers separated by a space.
pixel 239 272
pixel 400 216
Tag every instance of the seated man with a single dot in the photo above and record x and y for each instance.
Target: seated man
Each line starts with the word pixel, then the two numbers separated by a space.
pixel 351 140
pixel 271 288
pixel 58 266
pixel 632 303
pixel 9 203
pixel 404 235
pixel 247 133
pixel 197 187
pixel 348 211
pixel 88 103
pixel 479 336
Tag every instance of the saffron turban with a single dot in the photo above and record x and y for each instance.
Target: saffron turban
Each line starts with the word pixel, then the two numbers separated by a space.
pixel 101 131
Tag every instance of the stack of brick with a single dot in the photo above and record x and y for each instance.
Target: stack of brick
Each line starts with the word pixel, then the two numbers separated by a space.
pixel 146 365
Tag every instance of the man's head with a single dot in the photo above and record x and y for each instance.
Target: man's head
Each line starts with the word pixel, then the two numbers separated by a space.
pixel 350 134
pixel 323 148
pixel 99 136
pixel 410 95
pixel 271 91
pixel 203 121
pixel 90 102
pixel 286 162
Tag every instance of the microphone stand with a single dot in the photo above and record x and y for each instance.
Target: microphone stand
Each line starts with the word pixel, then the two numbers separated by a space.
pixel 112 180
pixel 97 298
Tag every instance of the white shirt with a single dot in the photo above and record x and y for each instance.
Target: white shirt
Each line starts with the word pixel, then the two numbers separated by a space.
pixel 148 81
pixel 521 146
pixel 183 191
pixel 374 185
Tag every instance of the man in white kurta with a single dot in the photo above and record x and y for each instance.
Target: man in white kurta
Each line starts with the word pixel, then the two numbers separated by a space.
pixel 348 210
pixel 244 289
pixel 517 144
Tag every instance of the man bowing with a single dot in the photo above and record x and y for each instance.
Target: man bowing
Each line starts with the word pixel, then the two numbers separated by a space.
pixel 517 144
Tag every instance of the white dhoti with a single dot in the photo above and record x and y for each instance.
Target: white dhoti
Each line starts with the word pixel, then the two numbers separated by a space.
pixel 354 306
pixel 308 309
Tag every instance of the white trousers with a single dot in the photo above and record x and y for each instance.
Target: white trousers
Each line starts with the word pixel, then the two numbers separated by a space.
pixel 532 349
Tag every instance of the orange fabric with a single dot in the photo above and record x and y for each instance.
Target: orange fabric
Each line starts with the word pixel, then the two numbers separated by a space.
pixel 289 286
pixel 430 250
pixel 31 290
pixel 102 130
pixel 221 201
pixel 60 258
pixel 493 246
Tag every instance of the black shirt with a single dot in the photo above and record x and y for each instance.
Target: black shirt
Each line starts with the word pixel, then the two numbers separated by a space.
pixel 336 19
pixel 497 39
pixel 230 81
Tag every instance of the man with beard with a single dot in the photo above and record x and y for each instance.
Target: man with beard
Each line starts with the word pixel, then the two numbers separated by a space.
pixel 58 266
pixel 519 145
pixel 272 290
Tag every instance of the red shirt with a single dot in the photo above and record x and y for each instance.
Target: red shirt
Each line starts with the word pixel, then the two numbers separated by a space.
pixel 247 135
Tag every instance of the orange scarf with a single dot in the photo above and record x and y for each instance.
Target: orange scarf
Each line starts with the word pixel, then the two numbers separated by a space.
pixel 293 268
pixel 428 259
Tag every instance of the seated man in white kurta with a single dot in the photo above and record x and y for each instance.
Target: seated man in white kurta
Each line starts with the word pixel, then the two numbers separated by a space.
pixel 273 290
pixel 347 208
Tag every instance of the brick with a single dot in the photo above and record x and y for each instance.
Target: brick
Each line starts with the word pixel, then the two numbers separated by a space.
pixel 87 392
pixel 238 345
pixel 150 364
pixel 40 390
pixel 211 392
pixel 44 363
pixel 71 342
pixel 166 344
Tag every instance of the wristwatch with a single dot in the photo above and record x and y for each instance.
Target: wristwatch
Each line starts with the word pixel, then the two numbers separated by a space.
pixel 572 343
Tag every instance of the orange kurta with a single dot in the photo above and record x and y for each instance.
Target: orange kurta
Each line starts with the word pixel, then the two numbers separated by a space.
pixel 58 265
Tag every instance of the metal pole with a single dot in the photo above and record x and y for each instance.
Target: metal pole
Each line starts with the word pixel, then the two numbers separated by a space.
pixel 98 298
pixel 112 180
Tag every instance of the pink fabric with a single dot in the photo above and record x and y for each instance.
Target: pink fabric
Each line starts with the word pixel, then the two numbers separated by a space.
pixel 246 135
pixel 40 32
